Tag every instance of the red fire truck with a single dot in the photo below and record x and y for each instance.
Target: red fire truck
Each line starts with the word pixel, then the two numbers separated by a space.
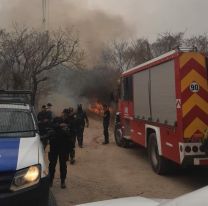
pixel 164 107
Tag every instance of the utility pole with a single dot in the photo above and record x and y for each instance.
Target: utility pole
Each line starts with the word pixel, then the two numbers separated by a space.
pixel 45 17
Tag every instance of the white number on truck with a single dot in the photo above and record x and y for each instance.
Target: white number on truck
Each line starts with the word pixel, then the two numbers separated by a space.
pixel 194 87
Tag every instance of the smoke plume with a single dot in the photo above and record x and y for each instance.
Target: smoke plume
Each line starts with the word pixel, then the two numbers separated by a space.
pixel 86 87
pixel 94 27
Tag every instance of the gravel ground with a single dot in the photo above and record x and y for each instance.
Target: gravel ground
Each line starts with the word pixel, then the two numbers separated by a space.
pixel 106 171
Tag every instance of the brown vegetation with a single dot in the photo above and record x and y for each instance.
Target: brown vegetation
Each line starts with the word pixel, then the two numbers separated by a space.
pixel 26 56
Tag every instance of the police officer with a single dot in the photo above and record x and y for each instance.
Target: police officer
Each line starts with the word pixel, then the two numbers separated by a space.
pixel 43 124
pixel 73 129
pixel 106 122
pixel 42 114
pixel 81 118
pixel 49 111
pixel 59 147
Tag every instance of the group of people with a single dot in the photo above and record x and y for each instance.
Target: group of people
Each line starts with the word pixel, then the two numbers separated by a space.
pixel 61 133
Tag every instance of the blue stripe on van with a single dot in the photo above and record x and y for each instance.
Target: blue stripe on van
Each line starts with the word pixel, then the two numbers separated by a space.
pixel 9 149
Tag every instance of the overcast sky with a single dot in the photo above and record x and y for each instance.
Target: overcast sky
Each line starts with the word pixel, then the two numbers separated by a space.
pixel 151 17
pixel 147 17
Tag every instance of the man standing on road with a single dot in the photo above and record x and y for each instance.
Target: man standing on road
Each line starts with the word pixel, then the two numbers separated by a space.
pixel 49 112
pixel 81 118
pixel 42 114
pixel 106 122
pixel 43 124
pixel 59 148
pixel 72 127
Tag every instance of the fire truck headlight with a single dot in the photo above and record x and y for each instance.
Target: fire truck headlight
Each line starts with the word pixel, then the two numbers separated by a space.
pixel 26 178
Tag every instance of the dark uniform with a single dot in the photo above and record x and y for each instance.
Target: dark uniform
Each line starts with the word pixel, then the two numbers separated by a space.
pixel 43 124
pixel 49 112
pixel 71 119
pixel 59 147
pixel 106 122
pixel 42 114
pixel 81 118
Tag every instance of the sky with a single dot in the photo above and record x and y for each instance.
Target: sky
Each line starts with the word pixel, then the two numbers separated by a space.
pixel 151 17
pixel 144 18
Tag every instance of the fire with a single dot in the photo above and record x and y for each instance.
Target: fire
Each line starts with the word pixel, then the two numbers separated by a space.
pixel 96 108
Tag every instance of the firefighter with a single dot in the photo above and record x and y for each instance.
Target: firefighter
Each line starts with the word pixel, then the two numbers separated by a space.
pixel 73 129
pixel 59 147
pixel 43 124
pixel 81 119
pixel 106 122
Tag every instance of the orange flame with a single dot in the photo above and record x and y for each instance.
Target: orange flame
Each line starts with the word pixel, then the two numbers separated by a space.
pixel 96 108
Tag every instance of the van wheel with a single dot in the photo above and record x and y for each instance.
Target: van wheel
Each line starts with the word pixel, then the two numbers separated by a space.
pixel 159 164
pixel 120 141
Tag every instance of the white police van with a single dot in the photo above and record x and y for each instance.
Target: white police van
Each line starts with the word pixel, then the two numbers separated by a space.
pixel 23 173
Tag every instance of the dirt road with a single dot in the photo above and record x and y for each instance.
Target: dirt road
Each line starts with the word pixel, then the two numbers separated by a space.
pixel 106 171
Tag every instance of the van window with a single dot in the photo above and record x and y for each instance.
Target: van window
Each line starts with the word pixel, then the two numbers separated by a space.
pixel 16 123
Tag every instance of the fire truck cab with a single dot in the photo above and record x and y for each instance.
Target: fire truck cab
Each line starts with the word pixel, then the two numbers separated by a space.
pixel 164 107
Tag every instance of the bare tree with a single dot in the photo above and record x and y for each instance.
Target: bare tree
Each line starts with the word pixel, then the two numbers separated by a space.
pixel 28 55
pixel 166 42
pixel 200 42
pixel 123 55
pixel 118 55
pixel 141 51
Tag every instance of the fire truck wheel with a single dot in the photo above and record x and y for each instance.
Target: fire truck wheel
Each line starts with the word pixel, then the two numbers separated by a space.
pixel 159 163
pixel 120 141
pixel 118 136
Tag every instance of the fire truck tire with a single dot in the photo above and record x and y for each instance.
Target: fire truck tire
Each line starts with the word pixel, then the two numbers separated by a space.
pixel 118 136
pixel 120 141
pixel 125 143
pixel 159 164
